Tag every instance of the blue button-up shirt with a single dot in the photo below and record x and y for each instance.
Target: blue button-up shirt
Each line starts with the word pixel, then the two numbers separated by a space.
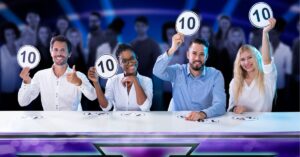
pixel 203 93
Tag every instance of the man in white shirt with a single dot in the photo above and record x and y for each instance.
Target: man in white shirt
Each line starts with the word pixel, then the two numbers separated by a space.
pixel 128 91
pixel 60 86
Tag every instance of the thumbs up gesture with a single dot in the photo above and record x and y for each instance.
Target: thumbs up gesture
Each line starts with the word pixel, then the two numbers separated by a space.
pixel 73 78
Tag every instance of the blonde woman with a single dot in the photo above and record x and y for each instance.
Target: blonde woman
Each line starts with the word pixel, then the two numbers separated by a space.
pixel 253 86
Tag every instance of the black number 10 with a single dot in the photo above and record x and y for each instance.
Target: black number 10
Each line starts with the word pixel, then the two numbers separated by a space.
pixel 265 13
pixel 31 57
pixel 190 23
pixel 109 65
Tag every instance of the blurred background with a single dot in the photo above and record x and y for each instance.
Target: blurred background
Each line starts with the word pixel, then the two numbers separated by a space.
pixel 97 26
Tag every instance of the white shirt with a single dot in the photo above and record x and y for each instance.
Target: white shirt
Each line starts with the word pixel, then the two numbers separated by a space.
pixel 10 70
pixel 57 94
pixel 117 95
pixel 283 61
pixel 251 98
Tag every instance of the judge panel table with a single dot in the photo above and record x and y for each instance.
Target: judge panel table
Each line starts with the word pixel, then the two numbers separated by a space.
pixel 147 134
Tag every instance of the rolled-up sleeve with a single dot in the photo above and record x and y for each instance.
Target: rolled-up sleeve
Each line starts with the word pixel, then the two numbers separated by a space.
pixel 29 92
pixel 86 88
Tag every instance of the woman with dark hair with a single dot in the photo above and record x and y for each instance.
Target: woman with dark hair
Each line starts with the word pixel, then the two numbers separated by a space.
pixel 10 69
pixel 77 56
pixel 222 33
pixel 206 33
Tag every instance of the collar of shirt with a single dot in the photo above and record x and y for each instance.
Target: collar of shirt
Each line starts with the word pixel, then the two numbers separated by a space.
pixel 188 71
pixel 68 70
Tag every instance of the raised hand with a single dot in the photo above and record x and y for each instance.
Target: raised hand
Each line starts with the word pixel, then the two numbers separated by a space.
pixel 272 22
pixel 73 78
pixel 92 75
pixel 177 40
pixel 25 75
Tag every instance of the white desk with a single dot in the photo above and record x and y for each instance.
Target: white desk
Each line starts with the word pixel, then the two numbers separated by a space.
pixel 146 122
pixel 87 133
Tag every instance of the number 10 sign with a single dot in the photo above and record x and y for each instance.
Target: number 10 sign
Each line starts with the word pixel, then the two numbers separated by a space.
pixel 259 14
pixel 106 66
pixel 187 23
pixel 28 56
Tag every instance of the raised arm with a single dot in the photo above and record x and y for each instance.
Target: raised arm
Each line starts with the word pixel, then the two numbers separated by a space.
pixel 100 96
pixel 265 48
pixel 161 67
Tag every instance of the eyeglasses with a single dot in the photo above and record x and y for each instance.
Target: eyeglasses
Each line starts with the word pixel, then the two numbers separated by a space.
pixel 131 61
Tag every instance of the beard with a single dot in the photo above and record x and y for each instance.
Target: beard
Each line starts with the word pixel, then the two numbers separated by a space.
pixel 62 61
pixel 196 67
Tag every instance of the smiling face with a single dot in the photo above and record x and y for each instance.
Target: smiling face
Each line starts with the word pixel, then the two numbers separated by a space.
pixel 247 61
pixel 196 56
pixel 128 62
pixel 59 53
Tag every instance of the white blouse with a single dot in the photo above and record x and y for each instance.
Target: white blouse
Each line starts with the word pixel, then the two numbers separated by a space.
pixel 251 98
pixel 117 95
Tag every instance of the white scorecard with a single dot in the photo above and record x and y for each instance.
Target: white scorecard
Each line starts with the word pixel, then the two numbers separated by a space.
pixel 187 23
pixel 259 14
pixel 28 56
pixel 106 66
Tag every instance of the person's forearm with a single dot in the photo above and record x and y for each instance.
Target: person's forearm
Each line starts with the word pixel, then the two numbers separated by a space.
pixel 265 48
pixel 27 94
pixel 100 96
pixel 140 94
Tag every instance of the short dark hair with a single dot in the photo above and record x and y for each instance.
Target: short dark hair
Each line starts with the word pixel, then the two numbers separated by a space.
pixel 116 25
pixel 226 17
pixel 8 25
pixel 200 42
pixel 122 48
pixel 95 13
pixel 142 19
pixel 61 38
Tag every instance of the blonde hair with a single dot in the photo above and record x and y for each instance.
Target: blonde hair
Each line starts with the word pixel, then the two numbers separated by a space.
pixel 239 74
